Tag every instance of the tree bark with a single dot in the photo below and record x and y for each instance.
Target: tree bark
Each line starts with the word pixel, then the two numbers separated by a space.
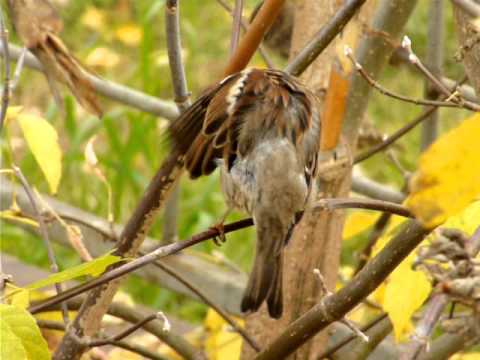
pixel 316 240
pixel 469 50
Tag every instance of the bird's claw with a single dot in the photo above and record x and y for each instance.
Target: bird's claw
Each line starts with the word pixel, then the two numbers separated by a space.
pixel 220 237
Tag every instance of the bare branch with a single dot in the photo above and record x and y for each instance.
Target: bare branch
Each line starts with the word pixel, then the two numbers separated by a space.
pixel 323 37
pixel 44 233
pixel 469 6
pixel 334 307
pixel 261 48
pixel 237 22
pixel 386 92
pixel 359 203
pixel 135 348
pixel 211 278
pixel 6 72
pixel 375 190
pixel 117 92
pixel 434 61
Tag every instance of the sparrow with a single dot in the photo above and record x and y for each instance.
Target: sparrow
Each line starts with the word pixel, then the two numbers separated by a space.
pixel 38 25
pixel 262 129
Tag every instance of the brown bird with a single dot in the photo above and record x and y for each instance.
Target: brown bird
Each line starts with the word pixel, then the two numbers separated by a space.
pixel 38 24
pixel 262 128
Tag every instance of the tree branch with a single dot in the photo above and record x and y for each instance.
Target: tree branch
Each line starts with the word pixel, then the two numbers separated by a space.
pixel 114 91
pixel 334 307
pixel 323 37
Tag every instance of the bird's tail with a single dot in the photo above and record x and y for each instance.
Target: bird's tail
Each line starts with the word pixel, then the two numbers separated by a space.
pixel 266 278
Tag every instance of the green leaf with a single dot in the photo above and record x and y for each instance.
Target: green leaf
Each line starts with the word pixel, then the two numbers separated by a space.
pixel 42 139
pixel 92 268
pixel 20 337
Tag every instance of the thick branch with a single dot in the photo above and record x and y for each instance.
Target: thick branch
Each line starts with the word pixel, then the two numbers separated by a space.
pixel 335 306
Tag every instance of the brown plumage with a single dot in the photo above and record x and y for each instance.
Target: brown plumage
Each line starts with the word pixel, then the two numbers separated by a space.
pixel 262 128
pixel 38 24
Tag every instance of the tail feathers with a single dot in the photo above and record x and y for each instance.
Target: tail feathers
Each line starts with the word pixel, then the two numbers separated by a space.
pixel 265 283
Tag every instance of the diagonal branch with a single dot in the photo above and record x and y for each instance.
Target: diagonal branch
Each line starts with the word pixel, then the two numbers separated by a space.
pixel 334 307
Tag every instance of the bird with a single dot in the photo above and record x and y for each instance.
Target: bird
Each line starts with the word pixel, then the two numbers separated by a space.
pixel 38 25
pixel 261 127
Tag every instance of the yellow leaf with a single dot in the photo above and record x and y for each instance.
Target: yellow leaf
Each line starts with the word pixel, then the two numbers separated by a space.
pixel 42 139
pixel 15 216
pixel 20 297
pixel 13 112
pixel 467 221
pixel 447 179
pixel 467 356
pixel 222 343
pixel 129 34
pixel 357 222
pixel 102 57
pixel 94 19
pixel 405 292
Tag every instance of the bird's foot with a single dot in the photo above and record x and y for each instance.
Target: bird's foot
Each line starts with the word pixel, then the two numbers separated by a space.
pixel 220 238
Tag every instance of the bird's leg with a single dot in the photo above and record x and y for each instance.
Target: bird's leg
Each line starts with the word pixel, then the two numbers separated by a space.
pixel 220 238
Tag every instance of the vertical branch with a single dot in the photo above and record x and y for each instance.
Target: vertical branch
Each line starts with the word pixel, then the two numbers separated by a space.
pixel 6 71
pixel 45 236
pixel 252 39
pixel 434 62
pixel 237 23
pixel 182 99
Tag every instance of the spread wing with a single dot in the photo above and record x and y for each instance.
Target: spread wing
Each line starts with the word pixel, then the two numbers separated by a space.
pixel 230 118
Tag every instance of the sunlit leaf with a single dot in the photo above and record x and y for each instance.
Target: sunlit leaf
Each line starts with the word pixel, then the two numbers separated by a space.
pixel 102 57
pixel 14 216
pixel 467 221
pixel 92 268
pixel 129 34
pixel 357 222
pixel 20 331
pixel 447 179
pixel 42 139
pixel 221 343
pixel 94 19
pixel 17 296
pixel 405 290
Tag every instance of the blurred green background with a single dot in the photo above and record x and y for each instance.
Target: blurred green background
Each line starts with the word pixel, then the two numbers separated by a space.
pixel 132 38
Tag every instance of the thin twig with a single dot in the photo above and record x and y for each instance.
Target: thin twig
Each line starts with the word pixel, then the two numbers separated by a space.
pixel 18 68
pixel 377 231
pixel 455 96
pixel 359 203
pixel 134 315
pixel 323 37
pixel 434 60
pixel 397 134
pixel 44 232
pixel 182 99
pixel 138 263
pixel 204 297
pixel 237 22
pixel 469 6
pixel 130 330
pixel 335 347
pixel 134 348
pixel 6 72
pixel 386 92
pixel 261 49
pixel 425 326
